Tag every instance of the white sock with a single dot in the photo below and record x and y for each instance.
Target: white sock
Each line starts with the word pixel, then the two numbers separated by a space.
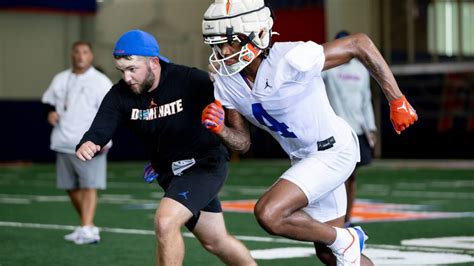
pixel 343 239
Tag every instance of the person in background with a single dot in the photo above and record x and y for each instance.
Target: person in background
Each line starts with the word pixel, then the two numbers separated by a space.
pixel 162 103
pixel 348 90
pixel 71 102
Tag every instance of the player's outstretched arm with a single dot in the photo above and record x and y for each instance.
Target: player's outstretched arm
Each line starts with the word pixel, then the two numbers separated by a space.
pixel 360 46
pixel 235 135
pixel 87 150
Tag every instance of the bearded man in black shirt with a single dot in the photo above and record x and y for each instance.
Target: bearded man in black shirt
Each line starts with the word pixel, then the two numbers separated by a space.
pixel 162 102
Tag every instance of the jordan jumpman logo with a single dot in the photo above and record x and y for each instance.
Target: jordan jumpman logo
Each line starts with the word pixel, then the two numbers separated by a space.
pixel 184 194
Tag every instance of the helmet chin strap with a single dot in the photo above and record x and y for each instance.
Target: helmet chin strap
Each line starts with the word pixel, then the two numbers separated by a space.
pixel 248 39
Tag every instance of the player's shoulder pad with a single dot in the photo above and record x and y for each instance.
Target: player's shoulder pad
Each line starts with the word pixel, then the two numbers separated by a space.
pixel 305 56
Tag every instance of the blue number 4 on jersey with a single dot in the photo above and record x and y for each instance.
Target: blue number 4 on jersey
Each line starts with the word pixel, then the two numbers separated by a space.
pixel 260 114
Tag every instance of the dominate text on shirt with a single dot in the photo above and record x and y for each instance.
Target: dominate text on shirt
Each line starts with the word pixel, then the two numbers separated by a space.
pixel 157 111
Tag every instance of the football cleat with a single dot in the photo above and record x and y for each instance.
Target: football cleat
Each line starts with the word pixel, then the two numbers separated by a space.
pixel 350 255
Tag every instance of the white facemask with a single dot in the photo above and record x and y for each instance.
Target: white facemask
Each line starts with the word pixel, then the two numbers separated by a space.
pixel 245 57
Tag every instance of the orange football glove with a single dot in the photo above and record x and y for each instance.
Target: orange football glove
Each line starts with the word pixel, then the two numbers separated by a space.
pixel 402 114
pixel 213 117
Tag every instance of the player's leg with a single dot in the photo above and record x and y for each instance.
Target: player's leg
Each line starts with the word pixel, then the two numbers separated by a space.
pixel 277 215
pixel 75 196
pixel 208 222
pixel 210 230
pixel 322 251
pixel 66 180
pixel 88 233
pixel 185 196
pixel 169 218
pixel 92 176
pixel 280 210
pixel 88 206
pixel 327 257
pixel 351 187
pixel 351 182
pixel 307 183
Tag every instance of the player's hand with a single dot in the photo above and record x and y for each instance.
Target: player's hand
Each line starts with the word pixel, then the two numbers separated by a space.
pixel 213 117
pixel 53 118
pixel 87 151
pixel 402 114
pixel 372 139
pixel 149 174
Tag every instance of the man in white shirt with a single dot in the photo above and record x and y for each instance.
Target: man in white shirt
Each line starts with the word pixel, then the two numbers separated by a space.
pixel 281 91
pixel 348 90
pixel 71 102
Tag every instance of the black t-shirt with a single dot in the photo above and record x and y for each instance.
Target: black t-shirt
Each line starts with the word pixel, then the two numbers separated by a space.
pixel 167 119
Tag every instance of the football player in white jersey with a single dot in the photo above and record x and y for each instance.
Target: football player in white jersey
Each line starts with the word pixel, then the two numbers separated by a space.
pixel 278 87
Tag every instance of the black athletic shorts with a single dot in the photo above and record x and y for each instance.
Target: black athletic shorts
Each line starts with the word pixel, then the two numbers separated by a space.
pixel 198 186
pixel 365 151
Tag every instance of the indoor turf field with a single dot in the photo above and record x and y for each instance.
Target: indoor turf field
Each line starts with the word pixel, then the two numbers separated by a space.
pixel 422 214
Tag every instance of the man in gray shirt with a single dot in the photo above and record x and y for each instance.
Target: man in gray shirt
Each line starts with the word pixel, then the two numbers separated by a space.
pixel 71 102
pixel 348 90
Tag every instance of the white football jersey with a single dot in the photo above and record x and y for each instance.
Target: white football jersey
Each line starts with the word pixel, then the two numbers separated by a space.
pixel 288 99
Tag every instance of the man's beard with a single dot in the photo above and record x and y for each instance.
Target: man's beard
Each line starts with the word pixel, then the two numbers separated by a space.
pixel 146 85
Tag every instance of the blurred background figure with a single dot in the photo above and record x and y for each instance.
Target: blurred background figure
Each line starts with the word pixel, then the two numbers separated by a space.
pixel 348 89
pixel 71 102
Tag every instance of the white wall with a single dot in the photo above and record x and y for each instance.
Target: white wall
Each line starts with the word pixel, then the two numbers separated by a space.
pixel 175 23
pixel 114 18
pixel 353 16
pixel 34 47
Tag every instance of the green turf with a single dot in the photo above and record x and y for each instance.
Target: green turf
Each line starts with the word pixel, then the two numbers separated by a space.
pixel 28 195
